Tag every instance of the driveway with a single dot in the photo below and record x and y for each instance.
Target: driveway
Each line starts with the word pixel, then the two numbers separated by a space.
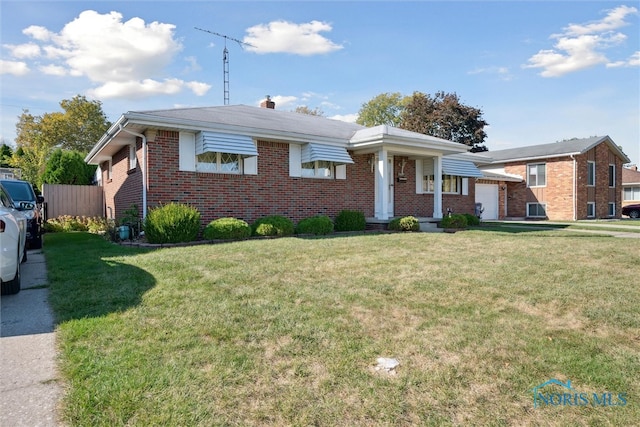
pixel 29 384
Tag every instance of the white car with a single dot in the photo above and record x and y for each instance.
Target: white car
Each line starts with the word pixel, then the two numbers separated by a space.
pixel 13 251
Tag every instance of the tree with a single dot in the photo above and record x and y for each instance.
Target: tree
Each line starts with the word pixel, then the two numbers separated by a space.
pixel 443 116
pixel 303 109
pixel 78 127
pixel 32 149
pixel 384 109
pixel 68 167
pixel 5 155
pixel 83 124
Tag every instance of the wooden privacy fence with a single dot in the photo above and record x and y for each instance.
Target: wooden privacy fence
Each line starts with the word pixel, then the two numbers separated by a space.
pixel 74 200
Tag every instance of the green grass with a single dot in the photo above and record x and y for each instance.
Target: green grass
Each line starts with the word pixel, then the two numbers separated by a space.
pixel 287 331
pixel 626 225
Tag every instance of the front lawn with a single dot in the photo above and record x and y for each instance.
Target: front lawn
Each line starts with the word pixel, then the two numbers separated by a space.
pixel 287 331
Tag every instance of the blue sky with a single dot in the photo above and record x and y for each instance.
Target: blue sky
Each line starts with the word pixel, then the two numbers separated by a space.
pixel 540 71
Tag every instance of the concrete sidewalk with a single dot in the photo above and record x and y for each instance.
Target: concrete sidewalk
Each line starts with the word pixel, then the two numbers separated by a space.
pixel 29 385
pixel 612 228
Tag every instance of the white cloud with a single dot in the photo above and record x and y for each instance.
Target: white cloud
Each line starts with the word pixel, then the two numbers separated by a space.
pixel 124 58
pixel 614 20
pixel 193 65
pixel 13 67
pixel 284 101
pixel 24 51
pixel 198 88
pixel 580 46
pixel 633 61
pixel 349 118
pixel 502 72
pixel 281 101
pixel 135 89
pixel 53 70
pixel 287 37
pixel 39 33
pixel 105 49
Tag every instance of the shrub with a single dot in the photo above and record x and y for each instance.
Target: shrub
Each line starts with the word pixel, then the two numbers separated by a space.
pixel 227 229
pixel 319 224
pixel 350 221
pixel 472 220
pixel 172 223
pixel 274 225
pixel 96 225
pixel 406 223
pixel 454 221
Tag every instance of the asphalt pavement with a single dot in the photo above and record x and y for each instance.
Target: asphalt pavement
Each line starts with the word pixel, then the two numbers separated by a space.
pixel 30 388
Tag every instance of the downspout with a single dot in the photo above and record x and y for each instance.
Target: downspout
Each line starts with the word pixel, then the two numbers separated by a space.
pixel 505 201
pixel 573 189
pixel 143 169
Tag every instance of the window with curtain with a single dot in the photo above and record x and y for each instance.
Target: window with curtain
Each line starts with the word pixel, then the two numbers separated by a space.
pixel 537 175
pixel 450 184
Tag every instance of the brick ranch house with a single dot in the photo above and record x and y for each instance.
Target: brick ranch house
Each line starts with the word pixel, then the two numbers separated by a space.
pixel 567 180
pixel 249 162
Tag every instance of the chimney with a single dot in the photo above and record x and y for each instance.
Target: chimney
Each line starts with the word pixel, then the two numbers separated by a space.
pixel 268 103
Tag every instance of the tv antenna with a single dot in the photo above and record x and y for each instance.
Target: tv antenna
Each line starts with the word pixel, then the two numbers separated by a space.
pixel 225 60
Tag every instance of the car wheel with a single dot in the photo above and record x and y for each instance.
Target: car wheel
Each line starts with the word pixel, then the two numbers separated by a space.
pixel 634 214
pixel 12 286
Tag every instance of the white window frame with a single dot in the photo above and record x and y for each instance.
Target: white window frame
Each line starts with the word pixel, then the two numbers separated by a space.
pixel 591 209
pixel 591 173
pixel 612 209
pixel 429 180
pixel 612 175
pixel 631 194
pixel 536 174
pixel 218 165
pixel 322 169
pixel 133 160
pixel 544 206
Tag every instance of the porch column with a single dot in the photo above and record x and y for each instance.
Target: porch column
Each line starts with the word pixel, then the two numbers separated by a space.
pixel 437 187
pixel 382 186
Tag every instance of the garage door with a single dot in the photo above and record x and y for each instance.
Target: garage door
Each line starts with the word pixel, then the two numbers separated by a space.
pixel 487 194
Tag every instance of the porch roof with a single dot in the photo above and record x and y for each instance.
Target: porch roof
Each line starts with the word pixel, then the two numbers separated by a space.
pixel 400 141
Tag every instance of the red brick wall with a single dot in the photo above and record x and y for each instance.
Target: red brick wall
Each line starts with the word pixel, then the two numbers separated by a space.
pixel 601 193
pixel 558 193
pixel 271 192
pixel 250 197
pixel 407 202
pixel 125 187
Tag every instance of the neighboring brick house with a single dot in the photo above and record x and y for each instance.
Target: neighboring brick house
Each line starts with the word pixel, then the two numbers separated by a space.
pixel 567 180
pixel 630 185
pixel 249 162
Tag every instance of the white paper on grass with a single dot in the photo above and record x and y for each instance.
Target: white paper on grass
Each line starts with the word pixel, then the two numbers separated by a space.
pixel 387 363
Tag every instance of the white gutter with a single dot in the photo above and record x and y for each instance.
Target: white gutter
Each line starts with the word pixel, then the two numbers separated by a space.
pixel 143 169
pixel 105 139
pixel 573 189
pixel 505 200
